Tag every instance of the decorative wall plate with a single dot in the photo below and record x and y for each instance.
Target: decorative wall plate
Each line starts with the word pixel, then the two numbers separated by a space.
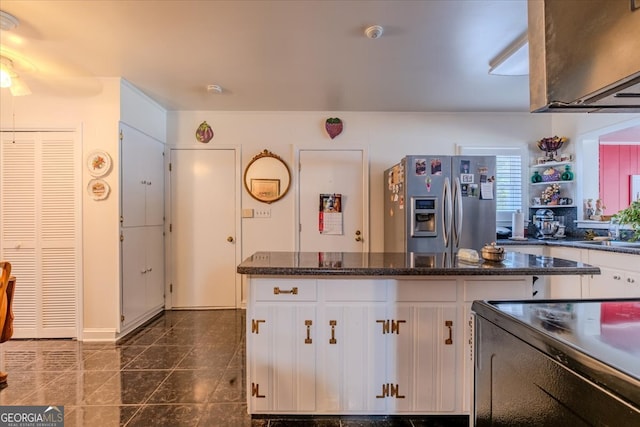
pixel 99 163
pixel 98 189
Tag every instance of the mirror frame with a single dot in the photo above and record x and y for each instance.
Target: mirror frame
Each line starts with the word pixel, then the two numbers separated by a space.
pixel 268 154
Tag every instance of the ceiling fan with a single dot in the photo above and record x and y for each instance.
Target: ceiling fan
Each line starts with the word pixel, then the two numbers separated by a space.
pixel 9 77
pixel 26 65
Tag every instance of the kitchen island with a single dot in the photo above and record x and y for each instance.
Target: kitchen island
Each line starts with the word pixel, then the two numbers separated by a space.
pixel 372 333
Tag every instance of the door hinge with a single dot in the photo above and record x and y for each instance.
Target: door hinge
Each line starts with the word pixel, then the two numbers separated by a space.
pixel 170 228
pixel 121 135
pixel 299 228
pixel 170 288
pixel 169 167
pixel 122 237
pixel 255 391
pixel 122 317
pixel 255 325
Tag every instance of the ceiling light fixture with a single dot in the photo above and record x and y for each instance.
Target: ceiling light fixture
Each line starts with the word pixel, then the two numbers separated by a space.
pixel 512 61
pixel 6 71
pixel 10 79
pixel 374 31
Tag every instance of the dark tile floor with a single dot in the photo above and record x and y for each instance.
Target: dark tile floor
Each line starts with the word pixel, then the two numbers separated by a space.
pixel 184 368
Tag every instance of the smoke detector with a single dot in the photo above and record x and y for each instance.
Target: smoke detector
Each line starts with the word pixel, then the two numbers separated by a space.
pixel 214 88
pixel 374 31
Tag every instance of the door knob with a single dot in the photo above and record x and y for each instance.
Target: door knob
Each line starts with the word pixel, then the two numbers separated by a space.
pixel 230 239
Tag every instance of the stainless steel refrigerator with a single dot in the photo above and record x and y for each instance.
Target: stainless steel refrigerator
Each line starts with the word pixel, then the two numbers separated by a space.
pixel 440 203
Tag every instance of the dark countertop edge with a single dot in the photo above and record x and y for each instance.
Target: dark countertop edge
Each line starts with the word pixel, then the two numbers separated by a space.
pixel 453 271
pixel 568 243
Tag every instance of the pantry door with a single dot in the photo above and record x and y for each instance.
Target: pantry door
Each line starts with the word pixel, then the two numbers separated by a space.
pixel 204 210
pixel 333 171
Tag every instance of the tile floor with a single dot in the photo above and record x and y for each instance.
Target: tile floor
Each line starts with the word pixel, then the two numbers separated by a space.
pixel 184 368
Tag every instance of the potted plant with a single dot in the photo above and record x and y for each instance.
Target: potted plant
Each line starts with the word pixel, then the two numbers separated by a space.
pixel 630 216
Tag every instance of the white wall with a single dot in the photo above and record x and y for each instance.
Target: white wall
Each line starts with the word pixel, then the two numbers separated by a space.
pixel 389 136
pixel 95 118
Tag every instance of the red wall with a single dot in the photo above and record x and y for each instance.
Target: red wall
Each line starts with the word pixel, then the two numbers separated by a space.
pixel 617 163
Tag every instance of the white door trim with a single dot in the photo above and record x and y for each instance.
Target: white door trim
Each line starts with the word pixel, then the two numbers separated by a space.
pixel 365 187
pixel 238 221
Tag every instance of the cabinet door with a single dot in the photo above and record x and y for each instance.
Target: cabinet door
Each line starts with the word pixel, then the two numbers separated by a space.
pixel 352 368
pixel 614 283
pixel 154 262
pixel 154 191
pixel 281 361
pixel 421 348
pixel 142 171
pixel 133 252
pixel 133 185
pixel 565 286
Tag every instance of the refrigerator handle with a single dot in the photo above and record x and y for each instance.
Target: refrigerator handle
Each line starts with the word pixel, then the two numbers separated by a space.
pixel 457 219
pixel 446 212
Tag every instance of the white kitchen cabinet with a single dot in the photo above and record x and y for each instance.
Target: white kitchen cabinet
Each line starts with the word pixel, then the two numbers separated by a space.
pixel 569 287
pixel 422 336
pixel 142 251
pixel 142 169
pixel 351 350
pixel 281 346
pixel 378 346
pixel 142 227
pixel 619 278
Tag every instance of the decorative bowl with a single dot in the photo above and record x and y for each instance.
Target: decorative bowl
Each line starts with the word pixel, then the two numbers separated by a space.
pixel 551 174
pixel 551 144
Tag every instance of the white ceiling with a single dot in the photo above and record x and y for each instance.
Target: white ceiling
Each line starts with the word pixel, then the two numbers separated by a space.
pixel 275 55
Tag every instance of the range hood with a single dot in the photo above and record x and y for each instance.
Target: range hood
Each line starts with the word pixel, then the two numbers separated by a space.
pixel 584 55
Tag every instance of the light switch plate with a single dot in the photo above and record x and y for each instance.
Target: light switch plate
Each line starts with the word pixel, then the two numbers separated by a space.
pixel 247 213
pixel 262 213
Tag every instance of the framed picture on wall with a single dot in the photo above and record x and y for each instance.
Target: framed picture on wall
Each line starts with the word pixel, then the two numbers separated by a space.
pixel 265 189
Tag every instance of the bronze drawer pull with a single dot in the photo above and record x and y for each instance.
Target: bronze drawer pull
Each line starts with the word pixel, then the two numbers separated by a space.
pixel 277 291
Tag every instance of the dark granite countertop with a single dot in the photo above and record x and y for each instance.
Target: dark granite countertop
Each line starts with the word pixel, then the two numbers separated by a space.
pixel 618 247
pixel 404 264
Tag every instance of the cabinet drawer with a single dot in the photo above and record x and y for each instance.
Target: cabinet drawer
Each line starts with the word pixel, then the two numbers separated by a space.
pixel 497 289
pixel 283 289
pixel 354 289
pixel 614 260
pixel 423 290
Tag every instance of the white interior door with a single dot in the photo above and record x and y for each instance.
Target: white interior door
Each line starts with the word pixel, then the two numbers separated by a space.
pixel 203 228
pixel 343 172
pixel 40 230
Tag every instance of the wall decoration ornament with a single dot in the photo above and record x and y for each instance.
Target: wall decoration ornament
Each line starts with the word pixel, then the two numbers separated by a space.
pixel 99 163
pixel 333 125
pixel 204 133
pixel 98 189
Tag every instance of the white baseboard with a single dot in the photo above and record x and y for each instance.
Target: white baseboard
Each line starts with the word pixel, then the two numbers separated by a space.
pixel 99 335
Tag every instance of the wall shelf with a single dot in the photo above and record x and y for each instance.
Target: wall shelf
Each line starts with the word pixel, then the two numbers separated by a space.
pixel 551 206
pixel 553 182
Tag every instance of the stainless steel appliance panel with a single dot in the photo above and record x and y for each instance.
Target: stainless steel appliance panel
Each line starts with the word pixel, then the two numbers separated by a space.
pixel 459 218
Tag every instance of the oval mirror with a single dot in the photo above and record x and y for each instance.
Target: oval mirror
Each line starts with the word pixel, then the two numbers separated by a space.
pixel 267 177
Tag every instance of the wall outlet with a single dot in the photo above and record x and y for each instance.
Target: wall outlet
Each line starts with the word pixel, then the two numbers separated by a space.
pixel 262 213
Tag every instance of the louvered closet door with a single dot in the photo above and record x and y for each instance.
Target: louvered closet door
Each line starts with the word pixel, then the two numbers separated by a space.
pixel 39 230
